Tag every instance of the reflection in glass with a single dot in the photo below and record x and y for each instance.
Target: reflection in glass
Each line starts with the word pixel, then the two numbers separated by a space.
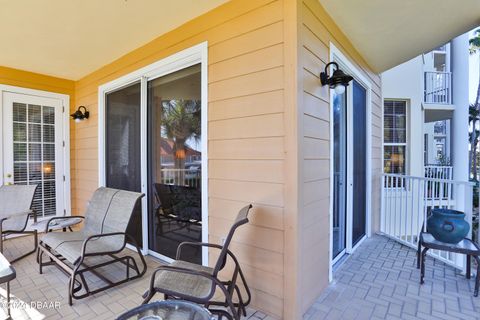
pixel 339 171
pixel 174 138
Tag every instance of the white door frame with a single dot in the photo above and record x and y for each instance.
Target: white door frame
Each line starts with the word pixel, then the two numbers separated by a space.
pixel 65 101
pixel 180 60
pixel 348 67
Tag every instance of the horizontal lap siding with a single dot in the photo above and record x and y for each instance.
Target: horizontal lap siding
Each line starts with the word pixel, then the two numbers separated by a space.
pixel 246 132
pixel 317 30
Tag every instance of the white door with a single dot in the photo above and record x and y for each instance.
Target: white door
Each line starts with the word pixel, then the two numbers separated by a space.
pixel 33 151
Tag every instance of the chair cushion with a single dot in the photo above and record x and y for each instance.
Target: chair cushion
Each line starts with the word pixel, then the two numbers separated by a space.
pixel 70 244
pixel 185 284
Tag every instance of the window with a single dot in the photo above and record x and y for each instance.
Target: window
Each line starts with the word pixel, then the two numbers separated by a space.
pixel 440 143
pixel 440 127
pixel 395 136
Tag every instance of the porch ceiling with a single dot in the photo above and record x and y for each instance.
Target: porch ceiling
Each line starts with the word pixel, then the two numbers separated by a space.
pixel 70 39
pixel 389 32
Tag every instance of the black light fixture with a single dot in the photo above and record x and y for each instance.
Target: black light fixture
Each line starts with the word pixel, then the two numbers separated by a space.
pixel 338 81
pixel 79 115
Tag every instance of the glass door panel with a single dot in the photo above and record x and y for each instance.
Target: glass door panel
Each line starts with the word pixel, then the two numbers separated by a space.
pixel 339 172
pixel 359 188
pixel 122 148
pixel 174 162
pixel 33 149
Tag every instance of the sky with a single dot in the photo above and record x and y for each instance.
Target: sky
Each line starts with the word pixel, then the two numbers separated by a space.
pixel 473 74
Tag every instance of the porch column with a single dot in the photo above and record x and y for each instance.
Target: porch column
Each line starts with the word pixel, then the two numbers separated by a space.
pixel 459 130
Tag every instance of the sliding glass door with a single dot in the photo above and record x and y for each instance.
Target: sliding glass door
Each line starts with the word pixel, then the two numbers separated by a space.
pixel 350 165
pixel 122 147
pixel 153 140
pixel 175 163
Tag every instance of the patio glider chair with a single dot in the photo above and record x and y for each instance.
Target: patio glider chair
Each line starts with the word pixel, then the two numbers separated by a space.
pixel 96 245
pixel 15 204
pixel 197 283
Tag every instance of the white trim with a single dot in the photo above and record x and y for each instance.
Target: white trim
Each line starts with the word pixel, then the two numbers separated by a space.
pixel 144 160
pixel 347 66
pixel 65 101
pixel 180 60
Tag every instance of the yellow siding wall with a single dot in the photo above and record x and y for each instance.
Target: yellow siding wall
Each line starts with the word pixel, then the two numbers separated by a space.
pixel 317 30
pixel 31 80
pixel 246 131
pixel 268 137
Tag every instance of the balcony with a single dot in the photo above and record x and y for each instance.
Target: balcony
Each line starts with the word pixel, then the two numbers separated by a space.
pixel 407 200
pixel 438 88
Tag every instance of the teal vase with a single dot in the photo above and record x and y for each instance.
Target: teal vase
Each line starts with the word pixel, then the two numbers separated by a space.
pixel 447 225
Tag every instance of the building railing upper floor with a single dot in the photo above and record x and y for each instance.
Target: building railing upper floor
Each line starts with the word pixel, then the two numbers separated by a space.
pixel 437 87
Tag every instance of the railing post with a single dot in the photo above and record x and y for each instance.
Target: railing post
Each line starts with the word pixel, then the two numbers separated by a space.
pixel 382 204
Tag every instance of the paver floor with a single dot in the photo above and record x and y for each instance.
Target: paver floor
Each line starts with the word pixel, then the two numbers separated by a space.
pixel 44 296
pixel 380 281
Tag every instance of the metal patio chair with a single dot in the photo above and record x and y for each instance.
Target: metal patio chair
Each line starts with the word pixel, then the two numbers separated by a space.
pixel 15 204
pixel 97 244
pixel 197 283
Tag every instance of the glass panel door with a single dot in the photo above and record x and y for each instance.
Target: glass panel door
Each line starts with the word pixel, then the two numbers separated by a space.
pixel 359 188
pixel 339 172
pixel 122 147
pixel 174 162
pixel 33 149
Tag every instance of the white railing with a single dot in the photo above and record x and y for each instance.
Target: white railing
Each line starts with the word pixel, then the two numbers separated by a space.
pixel 182 177
pixel 407 200
pixel 438 87
pixel 439 172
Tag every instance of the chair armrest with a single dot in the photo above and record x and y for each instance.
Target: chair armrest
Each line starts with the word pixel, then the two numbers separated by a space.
pixel 103 235
pixel 28 213
pixel 195 244
pixel 60 218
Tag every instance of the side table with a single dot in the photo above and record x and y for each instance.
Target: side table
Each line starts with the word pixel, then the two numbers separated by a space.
pixel 466 246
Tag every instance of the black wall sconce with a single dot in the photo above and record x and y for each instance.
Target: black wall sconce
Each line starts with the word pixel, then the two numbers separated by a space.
pixel 79 115
pixel 338 80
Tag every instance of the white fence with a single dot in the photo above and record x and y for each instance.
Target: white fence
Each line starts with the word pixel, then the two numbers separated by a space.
pixel 438 87
pixel 439 172
pixel 182 177
pixel 407 200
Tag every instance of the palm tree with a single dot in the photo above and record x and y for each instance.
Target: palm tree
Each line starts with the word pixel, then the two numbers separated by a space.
pixel 474 116
pixel 181 121
pixel 474 111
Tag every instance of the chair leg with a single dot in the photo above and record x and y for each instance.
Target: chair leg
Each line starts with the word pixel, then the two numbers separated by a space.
pixel 477 280
pixel 469 266
pixel 229 303
pixel 422 270
pixel 39 258
pixel 419 252
pixel 147 296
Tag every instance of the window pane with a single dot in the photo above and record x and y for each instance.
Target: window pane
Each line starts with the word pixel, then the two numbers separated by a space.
pixel 394 159
pixel 19 112
pixel 34 113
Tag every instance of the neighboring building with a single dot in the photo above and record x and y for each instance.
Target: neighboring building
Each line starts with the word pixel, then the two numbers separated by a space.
pixel 420 100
